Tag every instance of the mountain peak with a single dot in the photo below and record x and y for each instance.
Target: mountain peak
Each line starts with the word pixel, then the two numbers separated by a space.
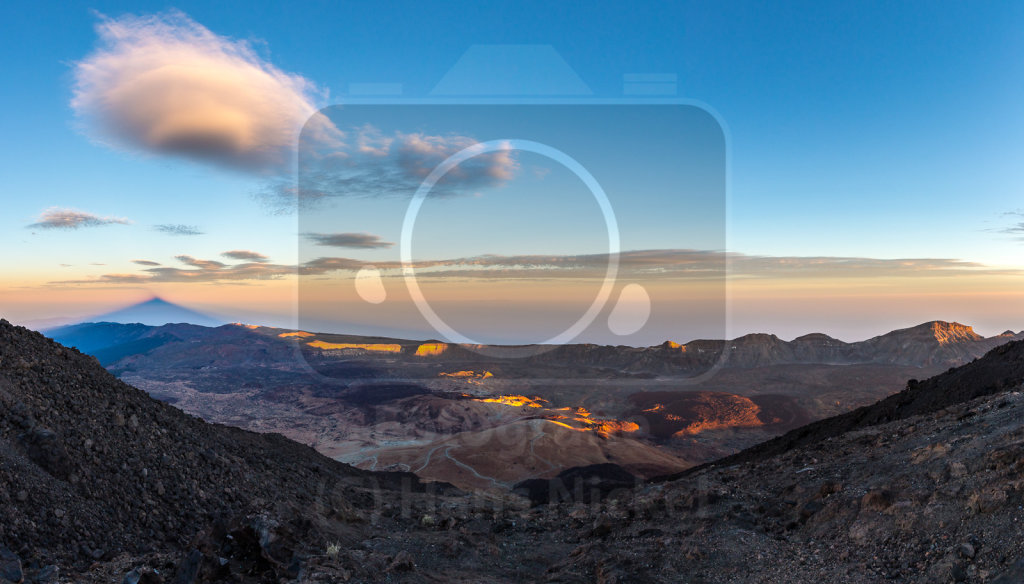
pixel 156 300
pixel 940 331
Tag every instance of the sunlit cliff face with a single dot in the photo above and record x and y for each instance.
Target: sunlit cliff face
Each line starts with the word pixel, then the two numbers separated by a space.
pixel 370 347
pixel 300 334
pixel 745 419
pixel 469 374
pixel 431 349
pixel 471 377
pixel 679 415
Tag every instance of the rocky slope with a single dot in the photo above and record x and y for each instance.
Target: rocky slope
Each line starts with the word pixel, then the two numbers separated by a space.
pixel 999 370
pixel 930 498
pixel 934 496
pixel 91 468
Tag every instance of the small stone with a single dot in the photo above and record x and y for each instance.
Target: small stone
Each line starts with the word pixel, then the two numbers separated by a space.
pixel 876 500
pixel 48 575
pixel 10 566
pixel 957 469
pixel 58 513
pixel 22 496
pixel 403 562
pixel 810 508
pixel 188 568
pixel 967 550
pixel 602 526
pixel 428 521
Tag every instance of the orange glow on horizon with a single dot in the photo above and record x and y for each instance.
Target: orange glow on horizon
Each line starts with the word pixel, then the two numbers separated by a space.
pixel 846 306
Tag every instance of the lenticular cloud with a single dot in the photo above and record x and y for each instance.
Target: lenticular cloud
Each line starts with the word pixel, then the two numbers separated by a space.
pixel 168 85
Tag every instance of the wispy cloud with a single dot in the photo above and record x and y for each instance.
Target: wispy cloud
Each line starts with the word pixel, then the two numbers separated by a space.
pixel 204 271
pixel 58 218
pixel 167 85
pixel 1017 229
pixel 198 263
pixel 146 262
pixel 374 164
pixel 351 240
pixel 170 229
pixel 246 255
pixel 326 265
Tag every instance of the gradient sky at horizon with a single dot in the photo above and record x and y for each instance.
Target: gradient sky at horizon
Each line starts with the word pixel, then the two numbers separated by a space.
pixel 873 133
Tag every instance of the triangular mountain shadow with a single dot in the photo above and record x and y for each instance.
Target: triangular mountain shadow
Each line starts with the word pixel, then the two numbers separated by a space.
pixel 156 312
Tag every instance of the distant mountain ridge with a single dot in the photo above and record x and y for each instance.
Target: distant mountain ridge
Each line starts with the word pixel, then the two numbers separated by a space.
pixel 934 343
pixel 930 344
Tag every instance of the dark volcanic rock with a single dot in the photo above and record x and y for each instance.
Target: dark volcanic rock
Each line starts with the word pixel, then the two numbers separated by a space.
pixel 45 448
pixel 91 468
pixel 1013 575
pixel 585 484
pixel 10 567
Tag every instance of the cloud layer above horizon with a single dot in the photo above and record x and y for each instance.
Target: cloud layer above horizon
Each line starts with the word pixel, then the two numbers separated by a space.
pixel 693 265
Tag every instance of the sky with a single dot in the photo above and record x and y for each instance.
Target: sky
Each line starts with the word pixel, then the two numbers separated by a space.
pixel 808 167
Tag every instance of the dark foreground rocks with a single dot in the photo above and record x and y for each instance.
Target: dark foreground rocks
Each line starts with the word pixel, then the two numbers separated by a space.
pixel 100 483
pixel 92 469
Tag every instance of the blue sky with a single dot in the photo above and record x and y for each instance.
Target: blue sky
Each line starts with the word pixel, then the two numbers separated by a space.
pixel 874 131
